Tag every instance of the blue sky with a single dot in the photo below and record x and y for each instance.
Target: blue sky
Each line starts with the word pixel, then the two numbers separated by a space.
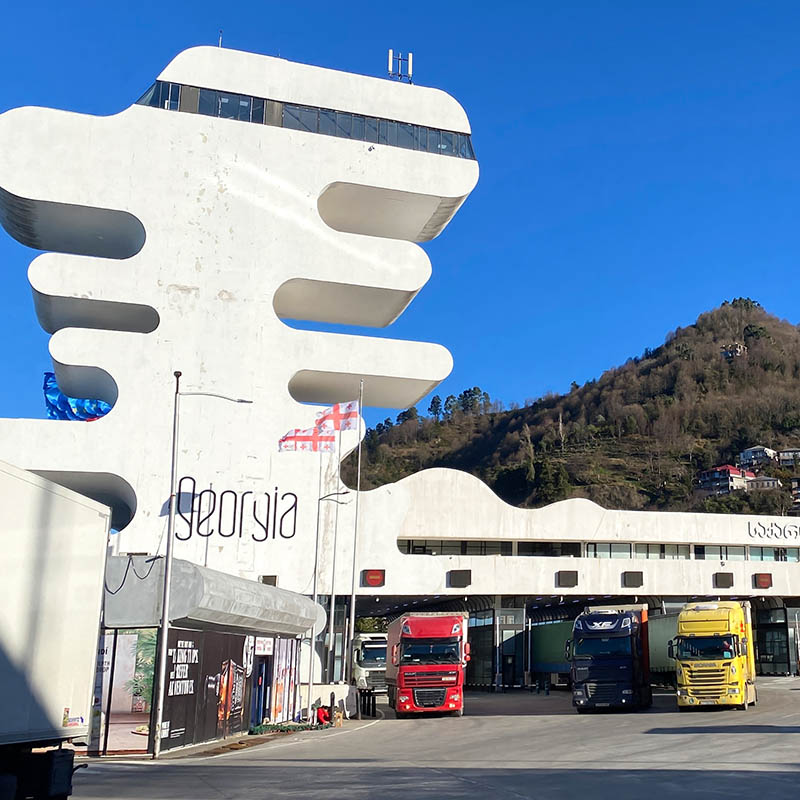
pixel 639 162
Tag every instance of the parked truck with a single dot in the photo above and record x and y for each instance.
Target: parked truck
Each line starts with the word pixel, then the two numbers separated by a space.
pixel 548 660
pixel 429 654
pixel 661 630
pixel 610 659
pixel 714 654
pixel 369 661
pixel 52 564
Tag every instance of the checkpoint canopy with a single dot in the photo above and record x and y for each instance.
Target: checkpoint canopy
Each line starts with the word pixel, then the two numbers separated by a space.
pixel 202 598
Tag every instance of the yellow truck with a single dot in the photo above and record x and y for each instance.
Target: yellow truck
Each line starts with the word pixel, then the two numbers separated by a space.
pixel 715 655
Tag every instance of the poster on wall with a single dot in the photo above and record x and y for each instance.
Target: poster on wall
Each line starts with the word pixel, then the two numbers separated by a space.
pixel 207 686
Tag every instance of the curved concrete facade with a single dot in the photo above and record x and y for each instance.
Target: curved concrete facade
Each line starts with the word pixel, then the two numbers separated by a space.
pixel 183 242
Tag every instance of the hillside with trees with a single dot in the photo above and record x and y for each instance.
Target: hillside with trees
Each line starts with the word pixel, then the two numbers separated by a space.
pixel 634 438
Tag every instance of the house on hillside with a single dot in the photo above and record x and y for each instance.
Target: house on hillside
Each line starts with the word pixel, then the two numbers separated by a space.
pixel 757 456
pixel 788 458
pixel 762 483
pixel 723 480
pixel 795 509
pixel 733 350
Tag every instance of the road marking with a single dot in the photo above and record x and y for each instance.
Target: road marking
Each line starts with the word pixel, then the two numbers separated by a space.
pixel 188 760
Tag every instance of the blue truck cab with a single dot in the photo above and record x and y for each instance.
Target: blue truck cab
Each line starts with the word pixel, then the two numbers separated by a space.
pixel 609 659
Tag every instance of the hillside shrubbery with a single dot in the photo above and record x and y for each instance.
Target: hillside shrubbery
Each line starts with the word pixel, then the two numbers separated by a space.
pixel 633 438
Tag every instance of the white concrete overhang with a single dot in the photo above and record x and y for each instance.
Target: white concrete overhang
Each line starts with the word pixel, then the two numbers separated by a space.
pixel 202 598
pixel 286 81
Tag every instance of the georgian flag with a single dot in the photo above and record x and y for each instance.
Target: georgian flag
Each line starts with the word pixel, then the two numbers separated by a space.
pixel 312 440
pixel 339 417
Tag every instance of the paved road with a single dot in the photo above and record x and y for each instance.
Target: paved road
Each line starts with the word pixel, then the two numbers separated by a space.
pixel 514 745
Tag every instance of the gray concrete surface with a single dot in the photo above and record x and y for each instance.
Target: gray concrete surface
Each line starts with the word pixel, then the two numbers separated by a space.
pixel 514 745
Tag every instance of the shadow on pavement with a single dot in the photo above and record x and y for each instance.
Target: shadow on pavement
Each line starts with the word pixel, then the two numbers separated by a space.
pixel 315 779
pixel 729 729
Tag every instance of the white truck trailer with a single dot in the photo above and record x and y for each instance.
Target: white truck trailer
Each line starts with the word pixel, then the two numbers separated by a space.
pixel 52 564
pixel 369 661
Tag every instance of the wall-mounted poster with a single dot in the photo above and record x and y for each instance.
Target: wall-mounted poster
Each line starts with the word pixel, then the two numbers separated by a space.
pixel 207 686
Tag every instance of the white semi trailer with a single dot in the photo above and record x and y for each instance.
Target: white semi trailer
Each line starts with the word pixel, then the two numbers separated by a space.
pixel 52 564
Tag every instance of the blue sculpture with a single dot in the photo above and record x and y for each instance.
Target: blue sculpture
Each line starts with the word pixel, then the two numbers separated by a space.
pixel 59 406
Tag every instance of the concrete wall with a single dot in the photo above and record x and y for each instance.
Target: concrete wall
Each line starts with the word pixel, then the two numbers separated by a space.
pixel 185 242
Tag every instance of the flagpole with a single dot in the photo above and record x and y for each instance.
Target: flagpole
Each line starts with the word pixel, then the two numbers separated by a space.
pixel 351 629
pixel 331 665
pixel 312 648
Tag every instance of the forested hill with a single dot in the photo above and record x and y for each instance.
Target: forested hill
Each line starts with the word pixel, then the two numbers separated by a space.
pixel 634 438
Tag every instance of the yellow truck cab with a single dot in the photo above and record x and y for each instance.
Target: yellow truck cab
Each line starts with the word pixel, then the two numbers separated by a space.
pixel 714 650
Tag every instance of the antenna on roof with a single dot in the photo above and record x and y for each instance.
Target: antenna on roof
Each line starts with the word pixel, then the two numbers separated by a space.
pixel 220 38
pixel 399 73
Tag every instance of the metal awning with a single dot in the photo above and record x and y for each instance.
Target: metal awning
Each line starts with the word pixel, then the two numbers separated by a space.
pixel 202 598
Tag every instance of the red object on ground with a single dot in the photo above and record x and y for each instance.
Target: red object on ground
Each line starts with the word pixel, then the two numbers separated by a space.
pixel 323 715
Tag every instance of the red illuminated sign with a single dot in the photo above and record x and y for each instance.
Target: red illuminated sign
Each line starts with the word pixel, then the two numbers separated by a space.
pixel 763 580
pixel 373 577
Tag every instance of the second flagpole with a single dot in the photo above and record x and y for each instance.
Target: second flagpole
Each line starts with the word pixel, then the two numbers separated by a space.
pixel 351 628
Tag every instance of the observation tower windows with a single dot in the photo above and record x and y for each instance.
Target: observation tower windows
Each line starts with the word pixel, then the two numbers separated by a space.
pixel 344 125
pixel 447 144
pixel 406 135
pixel 327 122
pixel 311 119
pixel 371 129
pixel 258 111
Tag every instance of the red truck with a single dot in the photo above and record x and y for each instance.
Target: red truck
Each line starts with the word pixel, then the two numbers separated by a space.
pixel 429 654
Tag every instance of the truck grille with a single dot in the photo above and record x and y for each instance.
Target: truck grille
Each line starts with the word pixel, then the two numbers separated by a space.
pixel 429 698
pixel 706 683
pixel 436 678
pixel 377 681
pixel 601 692
pixel 704 676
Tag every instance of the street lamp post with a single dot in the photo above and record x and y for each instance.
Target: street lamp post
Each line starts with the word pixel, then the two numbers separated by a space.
pixel 165 596
pixel 312 645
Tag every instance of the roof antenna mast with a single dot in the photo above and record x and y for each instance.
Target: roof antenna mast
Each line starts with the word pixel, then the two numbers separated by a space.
pixel 219 44
pixel 405 66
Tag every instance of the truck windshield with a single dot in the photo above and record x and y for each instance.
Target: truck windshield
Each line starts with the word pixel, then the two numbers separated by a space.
pixel 430 651
pixel 706 648
pixel 373 655
pixel 616 646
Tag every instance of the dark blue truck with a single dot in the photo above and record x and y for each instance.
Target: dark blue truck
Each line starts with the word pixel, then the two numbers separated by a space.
pixel 609 659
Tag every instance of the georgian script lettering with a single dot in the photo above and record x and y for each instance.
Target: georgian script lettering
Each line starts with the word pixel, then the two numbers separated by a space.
pixel 773 530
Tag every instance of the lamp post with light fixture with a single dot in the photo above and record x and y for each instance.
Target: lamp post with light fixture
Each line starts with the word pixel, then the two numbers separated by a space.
pixel 165 596
pixel 312 643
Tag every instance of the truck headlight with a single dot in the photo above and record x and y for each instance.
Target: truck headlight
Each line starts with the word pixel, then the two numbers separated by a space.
pixel 627 691
pixel 733 691
pixel 683 692
pixel 733 669
pixel 403 698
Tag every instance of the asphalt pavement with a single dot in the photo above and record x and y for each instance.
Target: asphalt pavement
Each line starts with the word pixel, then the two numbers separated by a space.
pixel 512 745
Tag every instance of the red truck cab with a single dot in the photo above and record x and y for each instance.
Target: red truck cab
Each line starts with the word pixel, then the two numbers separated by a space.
pixel 428 659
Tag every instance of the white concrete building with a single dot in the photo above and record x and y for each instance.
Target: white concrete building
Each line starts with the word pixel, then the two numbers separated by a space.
pixel 184 232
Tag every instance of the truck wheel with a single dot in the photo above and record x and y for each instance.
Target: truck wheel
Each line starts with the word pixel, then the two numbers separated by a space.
pixel 459 713
pixel 684 708
pixel 581 710
pixel 399 714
